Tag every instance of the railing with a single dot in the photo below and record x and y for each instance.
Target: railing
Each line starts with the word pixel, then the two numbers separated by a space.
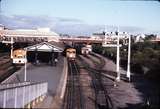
pixel 18 95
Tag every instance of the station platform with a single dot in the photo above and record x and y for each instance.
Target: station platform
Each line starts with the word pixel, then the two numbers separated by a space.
pixel 43 72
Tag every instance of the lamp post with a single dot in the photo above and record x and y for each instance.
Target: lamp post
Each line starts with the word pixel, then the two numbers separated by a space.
pixel 129 58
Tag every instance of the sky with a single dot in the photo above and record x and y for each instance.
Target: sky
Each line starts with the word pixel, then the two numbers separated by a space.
pixel 82 17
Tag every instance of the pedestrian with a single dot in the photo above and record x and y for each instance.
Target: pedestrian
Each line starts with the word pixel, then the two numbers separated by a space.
pixel 55 60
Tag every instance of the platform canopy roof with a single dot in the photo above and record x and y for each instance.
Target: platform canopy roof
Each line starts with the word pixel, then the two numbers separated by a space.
pixel 44 47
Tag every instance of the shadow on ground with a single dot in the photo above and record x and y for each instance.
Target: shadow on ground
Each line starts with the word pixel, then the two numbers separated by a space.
pixel 150 93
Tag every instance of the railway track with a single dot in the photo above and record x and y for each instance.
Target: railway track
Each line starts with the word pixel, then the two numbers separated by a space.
pixel 74 96
pixel 102 100
pixel 6 67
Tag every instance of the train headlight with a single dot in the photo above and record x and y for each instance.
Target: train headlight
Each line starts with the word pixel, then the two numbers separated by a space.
pixel 71 55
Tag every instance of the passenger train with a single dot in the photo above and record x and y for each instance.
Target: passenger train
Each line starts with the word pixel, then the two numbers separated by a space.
pixel 19 56
pixel 71 54
pixel 84 51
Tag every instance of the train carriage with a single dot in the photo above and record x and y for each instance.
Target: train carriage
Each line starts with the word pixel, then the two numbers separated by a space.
pixel 84 51
pixel 19 56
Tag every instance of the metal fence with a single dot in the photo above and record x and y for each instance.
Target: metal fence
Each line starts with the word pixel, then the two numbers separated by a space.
pixel 20 94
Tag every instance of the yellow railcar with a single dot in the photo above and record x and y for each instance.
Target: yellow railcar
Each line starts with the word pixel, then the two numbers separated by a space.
pixel 84 51
pixel 19 56
pixel 71 53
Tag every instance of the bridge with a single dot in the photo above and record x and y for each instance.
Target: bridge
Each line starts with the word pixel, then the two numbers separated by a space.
pixel 85 40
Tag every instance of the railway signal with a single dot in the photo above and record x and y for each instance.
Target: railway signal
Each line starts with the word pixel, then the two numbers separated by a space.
pixel 10 42
pixel 118 58
pixel 118 45
pixel 129 58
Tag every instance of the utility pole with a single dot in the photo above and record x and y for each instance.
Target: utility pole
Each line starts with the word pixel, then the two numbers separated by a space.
pixel 118 58
pixel 129 58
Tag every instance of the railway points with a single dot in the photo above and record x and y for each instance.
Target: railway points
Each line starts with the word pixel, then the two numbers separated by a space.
pixel 130 95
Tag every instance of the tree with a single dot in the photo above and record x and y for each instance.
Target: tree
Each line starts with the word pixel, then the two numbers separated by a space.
pixel 150 37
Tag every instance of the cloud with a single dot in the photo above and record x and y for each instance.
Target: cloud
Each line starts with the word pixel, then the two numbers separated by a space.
pixel 69 20
pixel 21 21
pixel 78 29
pixel 34 21
pixel 60 25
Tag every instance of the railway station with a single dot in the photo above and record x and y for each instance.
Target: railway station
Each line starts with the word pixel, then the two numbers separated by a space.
pixel 86 54
pixel 46 78
pixel 43 64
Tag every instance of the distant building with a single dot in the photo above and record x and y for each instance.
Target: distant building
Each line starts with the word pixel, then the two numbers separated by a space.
pixel 139 38
pixel 64 35
pixel 98 35
pixel 158 36
pixel 2 27
pixel 30 33
pixel 156 39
